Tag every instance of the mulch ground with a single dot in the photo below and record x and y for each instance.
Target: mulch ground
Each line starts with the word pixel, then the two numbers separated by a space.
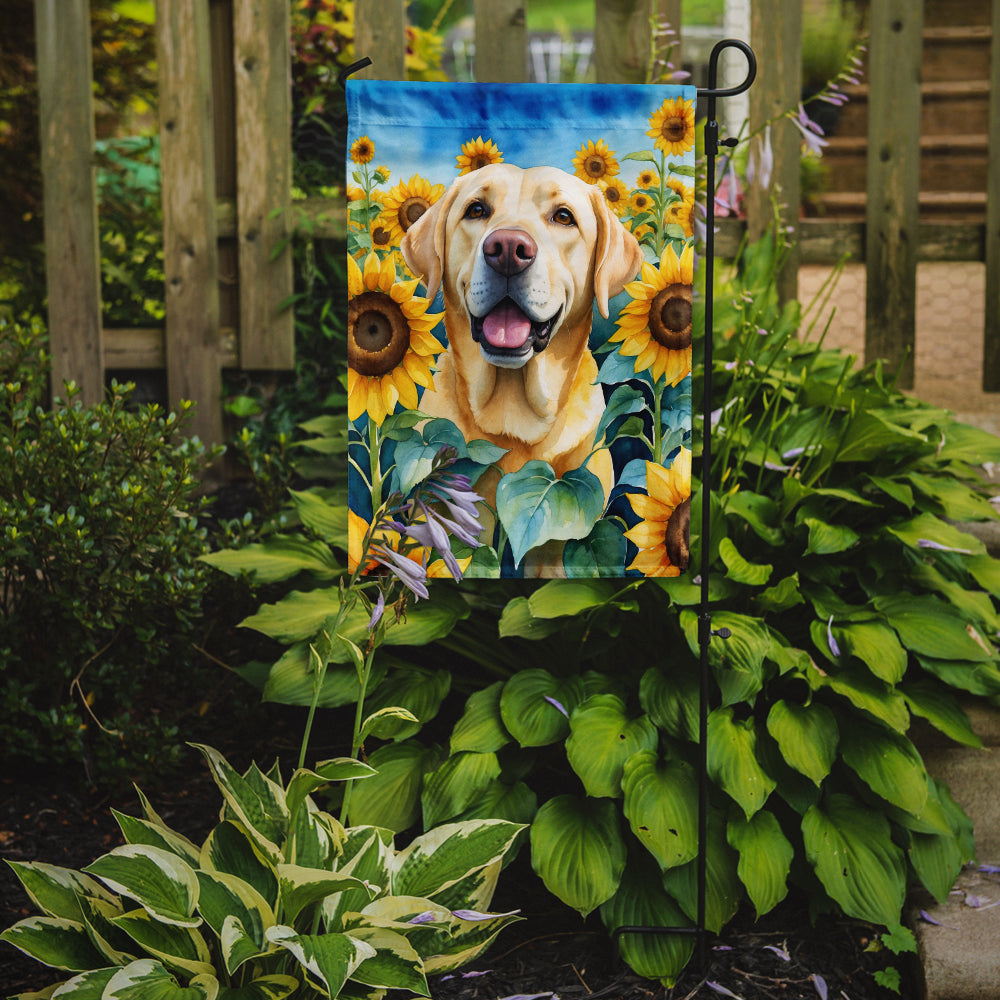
pixel 551 953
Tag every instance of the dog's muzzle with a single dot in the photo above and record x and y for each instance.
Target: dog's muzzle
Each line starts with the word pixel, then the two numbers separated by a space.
pixel 507 337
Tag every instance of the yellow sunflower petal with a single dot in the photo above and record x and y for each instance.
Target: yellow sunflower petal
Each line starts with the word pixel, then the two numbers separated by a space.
pixel 649 508
pixel 405 387
pixel 355 280
pixel 372 271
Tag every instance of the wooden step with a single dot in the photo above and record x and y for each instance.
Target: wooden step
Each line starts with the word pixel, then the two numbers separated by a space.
pixel 947 162
pixel 947 106
pixel 956 53
pixel 957 206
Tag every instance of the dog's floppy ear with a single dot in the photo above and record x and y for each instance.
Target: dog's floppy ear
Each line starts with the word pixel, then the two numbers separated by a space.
pixel 617 257
pixel 423 244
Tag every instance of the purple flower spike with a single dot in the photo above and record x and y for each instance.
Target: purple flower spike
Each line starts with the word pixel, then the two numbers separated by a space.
pixel 927 543
pixel 427 917
pixel 719 988
pixel 411 574
pixel 377 612
pixel 811 132
pixel 558 705
pixel 820 984
pixel 780 952
pixel 834 648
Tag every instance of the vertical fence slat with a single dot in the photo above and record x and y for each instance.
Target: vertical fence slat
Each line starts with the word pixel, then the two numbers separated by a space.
pixel 622 40
pixel 991 332
pixel 667 13
pixel 776 34
pixel 501 36
pixel 72 257
pixel 893 183
pixel 261 32
pixel 380 34
pixel 190 253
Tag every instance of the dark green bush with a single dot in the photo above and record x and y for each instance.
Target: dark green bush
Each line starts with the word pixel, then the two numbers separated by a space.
pixel 100 587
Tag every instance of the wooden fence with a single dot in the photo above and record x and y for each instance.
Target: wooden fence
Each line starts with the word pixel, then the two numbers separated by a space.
pixel 226 161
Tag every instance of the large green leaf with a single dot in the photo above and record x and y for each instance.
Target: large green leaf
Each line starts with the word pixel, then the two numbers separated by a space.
pixel 866 692
pixel 976 678
pixel 765 858
pixel 888 763
pixel 163 884
pixel 536 506
pixel 870 435
pixel 670 698
pixel 876 646
pixel 602 738
pixel 327 520
pixel 54 941
pixel 926 528
pixel 578 851
pixel 304 782
pixel 517 620
pixel 641 901
pixel 561 598
pixel 419 690
pixel 179 948
pixel 739 569
pixel 481 727
pixel 56 891
pixel 807 736
pixel 732 760
pixel 456 784
pixel 330 959
pixel 147 979
pixel 391 798
pixel 395 964
pixel 438 859
pixel 661 800
pixel 535 706
pixel 738 661
pixel 851 850
pixel 932 628
pixel 278 558
pixel 940 707
pixel 827 539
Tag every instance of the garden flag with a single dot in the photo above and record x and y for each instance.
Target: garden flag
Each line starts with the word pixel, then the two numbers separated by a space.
pixel 520 267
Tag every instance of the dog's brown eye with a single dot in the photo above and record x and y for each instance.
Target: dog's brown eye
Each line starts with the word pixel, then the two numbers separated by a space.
pixel 477 210
pixel 563 217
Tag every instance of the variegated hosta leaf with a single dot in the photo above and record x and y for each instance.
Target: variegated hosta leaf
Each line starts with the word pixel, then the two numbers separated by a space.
pixel 602 738
pixel 732 760
pixel 256 801
pixel 578 851
pixel 456 784
pixel 225 897
pixel 481 727
pixel 661 800
pixel 315 838
pixel 395 964
pixel 86 986
pixel 177 947
pixel 149 980
pixel 441 857
pixel 807 736
pixel 723 889
pixel 467 941
pixel 56 891
pixel 367 853
pixel 275 987
pixel 304 782
pixel 850 847
pixel 54 941
pixel 475 891
pixel 116 946
pixel 329 959
pixel 642 902
pixel 230 849
pixel 141 831
pixel 158 880
pixel 765 858
pixel 301 887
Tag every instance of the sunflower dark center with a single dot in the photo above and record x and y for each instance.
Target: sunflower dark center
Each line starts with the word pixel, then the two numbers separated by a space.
pixel 378 334
pixel 670 317
pixel 674 129
pixel 411 210
pixel 595 166
pixel 677 536
pixel 381 236
pixel 613 194
pixel 479 161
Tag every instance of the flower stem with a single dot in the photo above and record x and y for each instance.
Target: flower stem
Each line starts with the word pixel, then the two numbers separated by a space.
pixel 359 717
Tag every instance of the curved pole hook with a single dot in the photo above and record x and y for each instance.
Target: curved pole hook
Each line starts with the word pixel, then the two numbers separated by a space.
pixel 712 91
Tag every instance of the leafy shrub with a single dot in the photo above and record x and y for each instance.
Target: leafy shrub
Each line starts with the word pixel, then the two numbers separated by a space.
pixel 279 899
pixel 99 539
pixel 854 604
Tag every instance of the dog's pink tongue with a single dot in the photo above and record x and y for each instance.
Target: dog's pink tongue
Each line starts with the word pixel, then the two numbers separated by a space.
pixel 506 326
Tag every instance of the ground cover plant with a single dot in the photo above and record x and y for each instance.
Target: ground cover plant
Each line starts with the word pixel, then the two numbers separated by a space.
pixel 854 605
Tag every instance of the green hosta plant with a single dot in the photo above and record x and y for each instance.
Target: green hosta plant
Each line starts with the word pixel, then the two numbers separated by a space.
pixel 279 900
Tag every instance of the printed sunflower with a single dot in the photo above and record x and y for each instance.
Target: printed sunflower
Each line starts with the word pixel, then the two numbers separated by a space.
pixel 679 212
pixel 647 179
pixel 662 536
pixel 594 162
pixel 362 150
pixel 477 153
pixel 615 194
pixel 655 327
pixel 640 202
pixel 390 349
pixel 671 126
pixel 405 203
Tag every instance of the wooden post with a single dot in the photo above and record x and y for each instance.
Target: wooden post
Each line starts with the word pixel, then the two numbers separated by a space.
pixel 380 34
pixel 991 333
pixel 776 34
pixel 893 183
pixel 261 39
pixel 624 38
pixel 72 255
pixel 190 253
pixel 501 37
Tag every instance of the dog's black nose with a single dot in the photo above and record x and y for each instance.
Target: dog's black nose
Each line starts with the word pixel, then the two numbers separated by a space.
pixel 509 251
